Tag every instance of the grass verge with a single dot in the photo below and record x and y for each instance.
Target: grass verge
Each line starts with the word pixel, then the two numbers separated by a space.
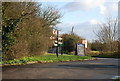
pixel 47 58
pixel 104 54
pixel 118 79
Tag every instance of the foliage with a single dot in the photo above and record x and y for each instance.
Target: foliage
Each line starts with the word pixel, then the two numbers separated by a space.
pixel 104 47
pixel 104 54
pixel 24 32
pixel 69 41
pixel 118 79
pixel 108 34
pixel 46 58
pixel 96 46
pixel 10 24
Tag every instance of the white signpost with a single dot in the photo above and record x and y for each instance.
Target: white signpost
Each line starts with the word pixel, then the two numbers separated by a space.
pixel 57 41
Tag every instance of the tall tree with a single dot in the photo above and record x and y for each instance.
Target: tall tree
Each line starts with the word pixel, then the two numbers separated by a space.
pixel 14 13
pixel 25 31
pixel 108 33
pixel 50 16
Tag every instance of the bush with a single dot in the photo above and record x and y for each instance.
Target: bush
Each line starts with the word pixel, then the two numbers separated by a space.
pixel 93 53
pixel 104 54
pixel 69 42
pixel 27 31
pixel 65 52
pixel 72 53
pixel 118 79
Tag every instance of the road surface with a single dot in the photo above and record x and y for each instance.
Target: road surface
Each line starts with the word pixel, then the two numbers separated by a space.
pixel 103 68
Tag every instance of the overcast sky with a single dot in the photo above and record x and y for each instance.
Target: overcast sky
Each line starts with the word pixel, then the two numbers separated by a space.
pixel 84 15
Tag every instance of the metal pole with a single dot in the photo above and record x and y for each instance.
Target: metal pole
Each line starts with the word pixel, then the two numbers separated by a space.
pixel 57 44
pixel 61 50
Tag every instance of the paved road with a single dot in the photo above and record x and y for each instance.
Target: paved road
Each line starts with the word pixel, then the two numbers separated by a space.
pixel 103 68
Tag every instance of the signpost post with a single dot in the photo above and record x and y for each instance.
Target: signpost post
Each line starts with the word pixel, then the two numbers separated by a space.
pixel 57 41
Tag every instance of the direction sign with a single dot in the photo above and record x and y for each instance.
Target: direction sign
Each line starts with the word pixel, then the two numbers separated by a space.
pixel 60 45
pixel 60 40
pixel 55 43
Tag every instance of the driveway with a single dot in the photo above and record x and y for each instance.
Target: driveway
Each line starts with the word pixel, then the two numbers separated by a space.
pixel 102 68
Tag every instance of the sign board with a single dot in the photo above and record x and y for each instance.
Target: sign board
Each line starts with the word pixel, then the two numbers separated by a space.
pixel 60 45
pixel 60 41
pixel 55 43
pixel 84 42
pixel 80 49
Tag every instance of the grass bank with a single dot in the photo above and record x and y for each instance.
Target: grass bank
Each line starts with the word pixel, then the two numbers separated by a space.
pixel 117 79
pixel 104 54
pixel 47 58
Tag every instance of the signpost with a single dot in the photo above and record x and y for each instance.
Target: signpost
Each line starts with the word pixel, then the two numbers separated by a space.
pixel 80 50
pixel 57 41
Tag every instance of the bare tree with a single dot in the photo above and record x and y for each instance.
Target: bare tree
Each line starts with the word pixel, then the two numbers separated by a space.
pixel 50 16
pixel 108 33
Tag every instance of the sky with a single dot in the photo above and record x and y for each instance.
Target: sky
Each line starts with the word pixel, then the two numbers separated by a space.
pixel 84 15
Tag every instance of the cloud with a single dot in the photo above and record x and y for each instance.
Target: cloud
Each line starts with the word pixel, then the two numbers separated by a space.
pixel 84 29
pixel 109 8
pixel 66 27
pixel 114 7
pixel 103 9
pixel 53 0
pixel 94 22
pixel 83 4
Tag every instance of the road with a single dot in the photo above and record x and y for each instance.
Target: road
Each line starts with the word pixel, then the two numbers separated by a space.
pixel 102 68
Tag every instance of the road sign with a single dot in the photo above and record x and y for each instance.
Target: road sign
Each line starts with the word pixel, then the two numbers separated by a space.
pixel 60 45
pixel 84 42
pixel 60 40
pixel 55 43
pixel 80 49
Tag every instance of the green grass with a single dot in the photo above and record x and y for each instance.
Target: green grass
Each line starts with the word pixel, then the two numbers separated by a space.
pixel 118 79
pixel 47 58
